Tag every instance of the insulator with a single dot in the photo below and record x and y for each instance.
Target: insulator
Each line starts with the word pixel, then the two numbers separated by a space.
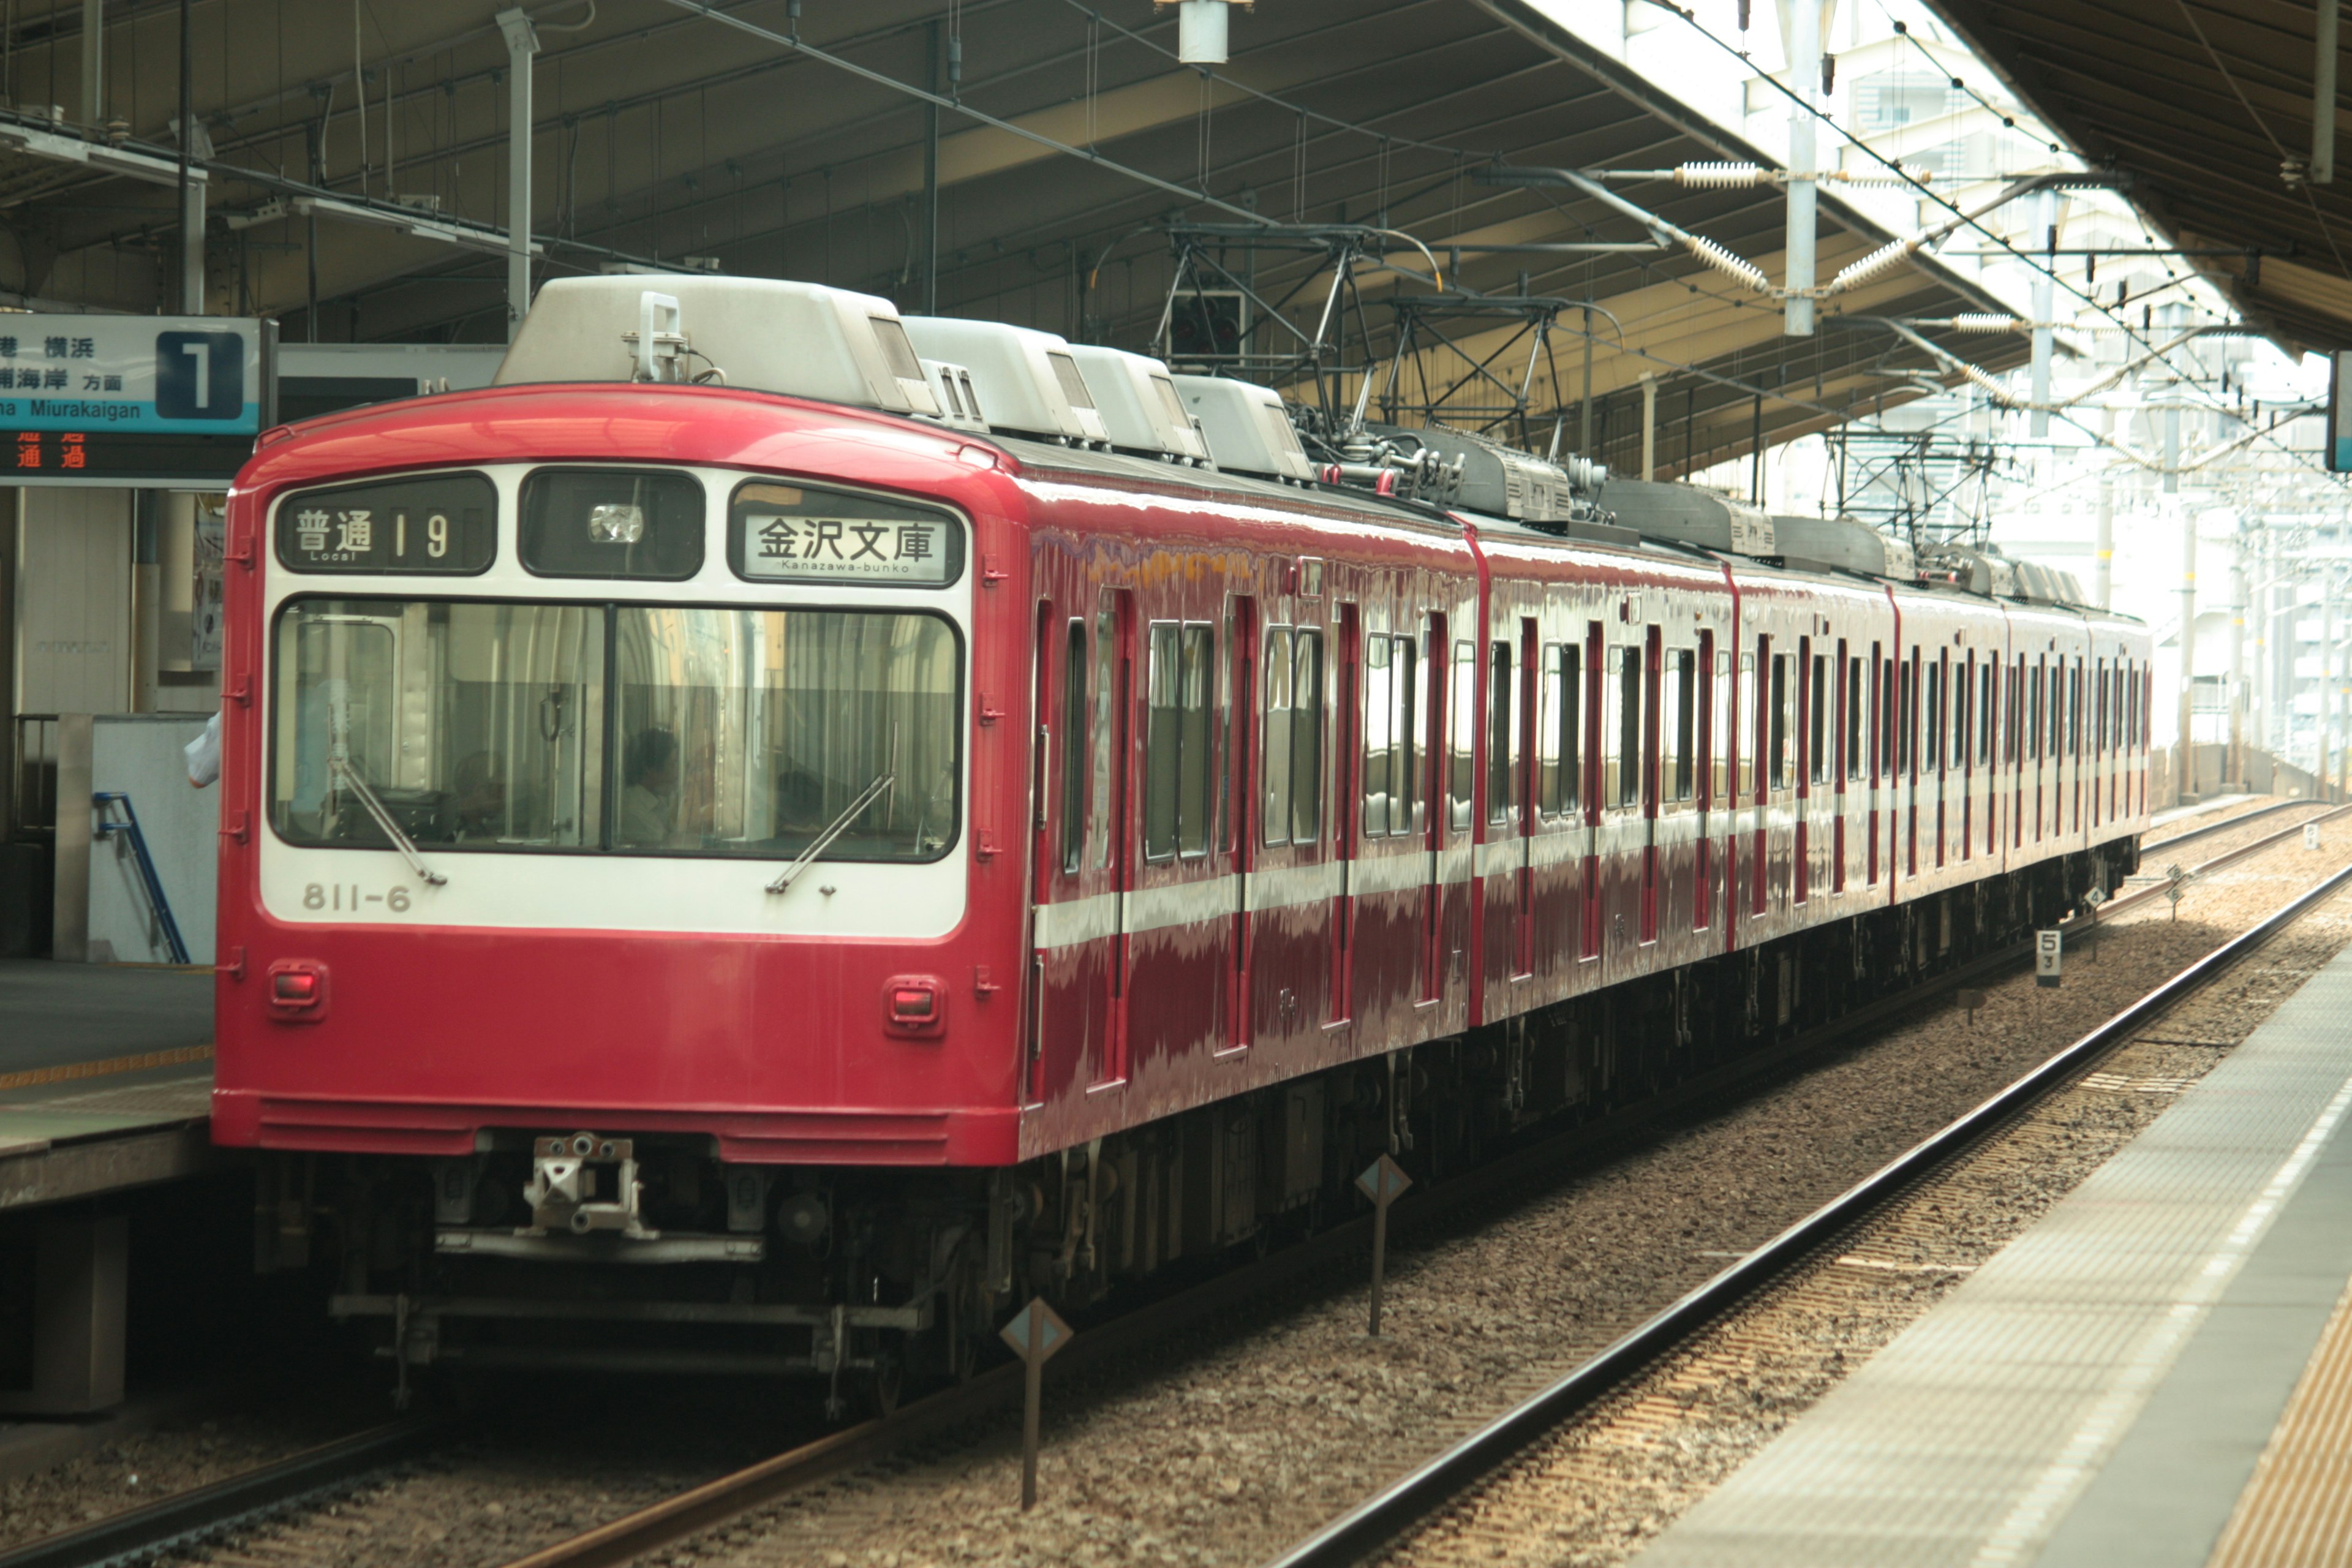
pixel 1731 265
pixel 1989 382
pixel 1985 321
pixel 1877 264
pixel 1721 177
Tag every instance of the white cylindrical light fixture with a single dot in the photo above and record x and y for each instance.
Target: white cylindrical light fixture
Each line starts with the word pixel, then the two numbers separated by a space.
pixel 1200 32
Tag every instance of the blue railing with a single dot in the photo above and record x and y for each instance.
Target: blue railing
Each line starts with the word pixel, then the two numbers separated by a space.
pixel 104 799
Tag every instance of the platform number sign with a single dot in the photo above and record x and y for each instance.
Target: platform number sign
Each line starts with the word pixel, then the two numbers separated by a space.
pixel 2049 949
pixel 199 375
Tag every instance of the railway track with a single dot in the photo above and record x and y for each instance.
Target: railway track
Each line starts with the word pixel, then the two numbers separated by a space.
pixel 2226 824
pixel 280 1490
pixel 1825 1235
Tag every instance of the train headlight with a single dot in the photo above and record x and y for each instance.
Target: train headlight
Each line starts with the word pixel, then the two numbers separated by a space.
pixel 616 522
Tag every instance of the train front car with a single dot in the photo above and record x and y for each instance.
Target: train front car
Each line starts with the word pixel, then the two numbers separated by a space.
pixel 608 874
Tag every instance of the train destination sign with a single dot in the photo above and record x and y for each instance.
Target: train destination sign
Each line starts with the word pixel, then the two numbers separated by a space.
pixel 801 534
pixel 441 523
pixel 189 375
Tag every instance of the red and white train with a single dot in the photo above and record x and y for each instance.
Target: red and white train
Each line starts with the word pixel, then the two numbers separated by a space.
pixel 732 862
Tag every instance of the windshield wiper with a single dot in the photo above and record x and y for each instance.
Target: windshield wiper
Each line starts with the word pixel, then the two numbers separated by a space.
pixel 882 785
pixel 391 830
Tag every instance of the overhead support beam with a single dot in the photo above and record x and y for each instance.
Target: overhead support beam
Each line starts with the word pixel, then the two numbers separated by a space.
pixel 133 164
pixel 522 43
pixel 417 225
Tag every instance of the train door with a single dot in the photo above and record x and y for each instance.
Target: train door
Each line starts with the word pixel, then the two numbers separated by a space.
pixel 1347 788
pixel 1429 782
pixel 1502 879
pixel 1528 804
pixel 1596 678
pixel 1676 842
pixel 1845 763
pixel 1711 677
pixel 1624 835
pixel 1880 672
pixel 1237 814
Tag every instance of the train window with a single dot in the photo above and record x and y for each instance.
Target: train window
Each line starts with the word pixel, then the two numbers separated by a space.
pixel 1853 758
pixel 1964 697
pixel 807 533
pixel 2033 715
pixel 1931 751
pixel 1389 701
pixel 1462 767
pixel 1986 688
pixel 1110 726
pixel 446 525
pixel 1307 737
pixel 511 727
pixel 1679 706
pixel 1744 759
pixel 1177 753
pixel 1776 707
pixel 1562 732
pixel 1076 755
pixel 1906 711
pixel 1817 722
pixel 1624 738
pixel 2074 711
pixel 1890 713
pixel 644 523
pixel 1710 671
pixel 1380 695
pixel 1275 809
pixel 1502 736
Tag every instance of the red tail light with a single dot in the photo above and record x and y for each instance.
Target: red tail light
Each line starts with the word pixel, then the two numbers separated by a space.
pixel 914 1005
pixel 297 990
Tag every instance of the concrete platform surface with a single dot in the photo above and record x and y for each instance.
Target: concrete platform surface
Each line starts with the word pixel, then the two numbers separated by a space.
pixel 2099 1391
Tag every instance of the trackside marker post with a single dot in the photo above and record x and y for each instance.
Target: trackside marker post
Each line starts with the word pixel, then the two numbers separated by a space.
pixel 2049 949
pixel 2311 836
pixel 1035 1333
pixel 1383 1181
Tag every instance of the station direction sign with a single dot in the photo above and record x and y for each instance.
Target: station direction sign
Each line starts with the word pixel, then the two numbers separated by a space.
pixel 133 400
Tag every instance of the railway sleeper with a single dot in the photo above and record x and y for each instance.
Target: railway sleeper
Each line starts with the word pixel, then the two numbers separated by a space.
pixel 866 1278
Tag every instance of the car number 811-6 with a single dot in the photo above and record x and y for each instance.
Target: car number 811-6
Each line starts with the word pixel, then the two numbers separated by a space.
pixel 347 896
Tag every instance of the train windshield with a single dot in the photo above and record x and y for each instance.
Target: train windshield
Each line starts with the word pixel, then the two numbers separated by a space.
pixel 634 729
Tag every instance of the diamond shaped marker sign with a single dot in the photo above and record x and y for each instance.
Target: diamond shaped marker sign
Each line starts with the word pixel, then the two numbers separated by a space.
pixel 1383 1181
pixel 1054 1333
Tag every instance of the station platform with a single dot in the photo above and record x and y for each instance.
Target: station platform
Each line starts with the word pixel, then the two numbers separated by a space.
pixel 2159 1372
pixel 105 1078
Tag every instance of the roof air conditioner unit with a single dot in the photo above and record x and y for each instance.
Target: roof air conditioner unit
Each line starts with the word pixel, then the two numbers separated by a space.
pixel 800 339
pixel 1248 432
pixel 1138 404
pixel 1026 378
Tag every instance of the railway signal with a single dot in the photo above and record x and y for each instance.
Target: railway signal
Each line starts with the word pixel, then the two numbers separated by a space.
pixel 1383 1181
pixel 1035 1333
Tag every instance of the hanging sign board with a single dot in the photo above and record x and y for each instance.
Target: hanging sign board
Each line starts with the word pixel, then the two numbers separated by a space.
pixel 2339 414
pixel 153 401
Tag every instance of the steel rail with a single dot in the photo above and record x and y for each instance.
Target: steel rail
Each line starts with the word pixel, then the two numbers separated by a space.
pixel 2227 823
pixel 1381 1519
pixel 189 1517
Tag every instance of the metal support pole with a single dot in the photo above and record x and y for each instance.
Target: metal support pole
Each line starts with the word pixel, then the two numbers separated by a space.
pixel 192 190
pixel 2172 450
pixel 2324 718
pixel 1803 23
pixel 931 177
pixel 2235 768
pixel 2187 772
pixel 522 43
pixel 93 63
pixel 1584 443
pixel 2046 220
pixel 2323 96
pixel 1755 455
pixel 1032 1398
pixel 2104 580
pixel 1649 425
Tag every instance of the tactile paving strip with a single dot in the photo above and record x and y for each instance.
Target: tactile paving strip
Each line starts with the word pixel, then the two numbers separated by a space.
pixel 2297 1509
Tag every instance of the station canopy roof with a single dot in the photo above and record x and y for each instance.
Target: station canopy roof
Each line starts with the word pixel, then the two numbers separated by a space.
pixel 367 204
pixel 2203 104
